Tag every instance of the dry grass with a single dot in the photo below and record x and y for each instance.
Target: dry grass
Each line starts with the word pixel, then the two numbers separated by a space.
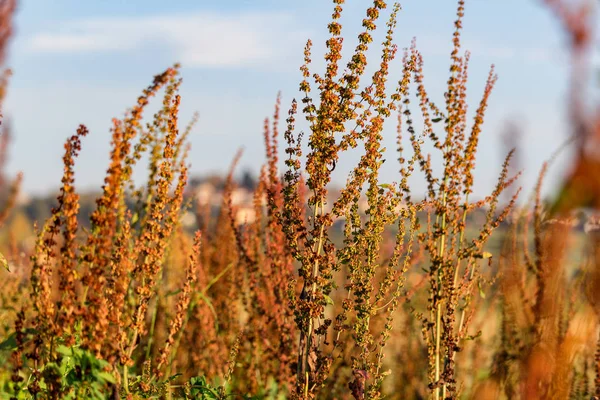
pixel 407 302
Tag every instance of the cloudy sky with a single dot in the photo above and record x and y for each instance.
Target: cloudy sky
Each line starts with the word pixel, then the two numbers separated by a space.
pixel 86 61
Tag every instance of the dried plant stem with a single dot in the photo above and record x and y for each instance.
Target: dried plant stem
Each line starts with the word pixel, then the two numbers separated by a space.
pixel 455 279
pixel 438 311
pixel 306 339
pixel 153 324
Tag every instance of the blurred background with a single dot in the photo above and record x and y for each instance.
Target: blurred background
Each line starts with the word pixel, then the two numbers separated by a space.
pixel 86 62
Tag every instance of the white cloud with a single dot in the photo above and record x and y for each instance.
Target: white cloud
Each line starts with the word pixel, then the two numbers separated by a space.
pixel 198 40
pixel 68 43
pixel 439 45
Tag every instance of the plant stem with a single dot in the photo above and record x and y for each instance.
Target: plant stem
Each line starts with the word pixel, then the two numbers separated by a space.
pixel 306 339
pixel 456 274
pixel 438 310
pixel 126 378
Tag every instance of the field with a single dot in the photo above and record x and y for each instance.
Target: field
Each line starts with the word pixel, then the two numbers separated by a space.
pixel 311 290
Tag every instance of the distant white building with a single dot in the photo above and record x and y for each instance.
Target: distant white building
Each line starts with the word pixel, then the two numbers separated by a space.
pixel 188 219
pixel 240 196
pixel 592 224
pixel 245 215
pixel 205 193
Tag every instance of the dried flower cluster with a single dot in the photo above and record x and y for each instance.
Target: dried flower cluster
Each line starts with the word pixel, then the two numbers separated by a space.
pixel 367 292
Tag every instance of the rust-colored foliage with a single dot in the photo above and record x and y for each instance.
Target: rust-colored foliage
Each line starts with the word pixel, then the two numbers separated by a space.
pixel 366 291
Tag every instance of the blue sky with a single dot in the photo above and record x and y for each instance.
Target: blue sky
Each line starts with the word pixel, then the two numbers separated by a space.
pixel 86 62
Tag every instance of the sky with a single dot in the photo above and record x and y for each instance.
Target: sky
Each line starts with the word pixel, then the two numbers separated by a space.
pixel 87 61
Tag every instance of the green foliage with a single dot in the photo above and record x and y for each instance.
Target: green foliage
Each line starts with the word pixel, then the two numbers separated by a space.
pixel 10 343
pixel 199 388
pixel 80 373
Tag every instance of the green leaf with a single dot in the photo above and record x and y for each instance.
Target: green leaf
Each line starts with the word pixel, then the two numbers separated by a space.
pixel 328 299
pixel 64 350
pixel 4 262
pixel 481 292
pixel 10 343
pixel 106 377
pixel 436 119
pixel 172 378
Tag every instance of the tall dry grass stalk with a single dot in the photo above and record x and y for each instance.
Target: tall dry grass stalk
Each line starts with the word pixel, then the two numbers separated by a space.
pixel 366 292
